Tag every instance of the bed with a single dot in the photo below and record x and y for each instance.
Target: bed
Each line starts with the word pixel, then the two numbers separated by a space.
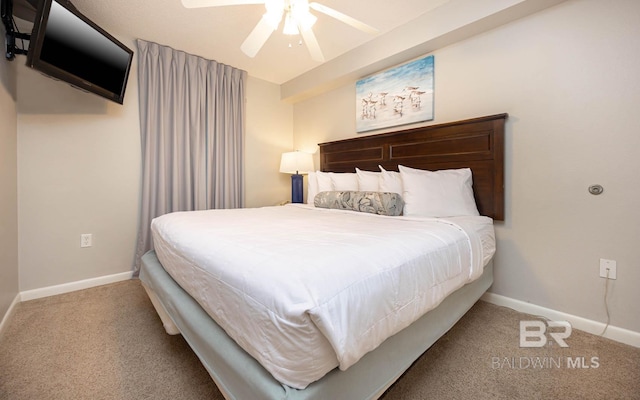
pixel 355 355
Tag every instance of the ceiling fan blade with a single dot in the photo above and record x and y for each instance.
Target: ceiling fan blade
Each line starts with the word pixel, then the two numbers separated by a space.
pixel 217 3
pixel 257 38
pixel 312 44
pixel 343 18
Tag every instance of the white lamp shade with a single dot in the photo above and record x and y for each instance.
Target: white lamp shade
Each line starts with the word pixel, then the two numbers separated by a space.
pixel 296 162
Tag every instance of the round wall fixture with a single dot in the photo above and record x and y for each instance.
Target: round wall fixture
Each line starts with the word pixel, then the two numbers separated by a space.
pixel 596 189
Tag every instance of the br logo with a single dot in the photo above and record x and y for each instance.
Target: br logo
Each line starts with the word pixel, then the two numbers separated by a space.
pixel 534 333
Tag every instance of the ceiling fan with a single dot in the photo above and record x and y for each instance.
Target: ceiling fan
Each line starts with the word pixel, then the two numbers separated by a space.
pixel 297 19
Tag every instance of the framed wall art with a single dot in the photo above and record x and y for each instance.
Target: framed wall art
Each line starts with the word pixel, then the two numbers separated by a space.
pixel 398 96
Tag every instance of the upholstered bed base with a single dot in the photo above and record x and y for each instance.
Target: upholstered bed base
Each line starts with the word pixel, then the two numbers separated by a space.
pixel 239 376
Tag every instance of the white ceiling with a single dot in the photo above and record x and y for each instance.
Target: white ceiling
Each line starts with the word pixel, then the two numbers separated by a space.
pixel 407 29
pixel 217 32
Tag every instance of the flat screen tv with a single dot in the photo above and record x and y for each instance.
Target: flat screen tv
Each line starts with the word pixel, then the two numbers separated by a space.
pixel 68 46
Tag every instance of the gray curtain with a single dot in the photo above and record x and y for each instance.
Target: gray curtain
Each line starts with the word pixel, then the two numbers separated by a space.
pixel 192 135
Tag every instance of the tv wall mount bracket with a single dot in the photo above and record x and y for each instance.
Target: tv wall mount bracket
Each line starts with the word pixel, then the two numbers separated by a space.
pixel 6 11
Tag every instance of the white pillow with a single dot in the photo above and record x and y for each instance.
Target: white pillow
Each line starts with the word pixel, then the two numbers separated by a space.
pixel 312 187
pixel 330 181
pixel 390 181
pixel 444 193
pixel 368 181
pixel 324 182
pixel 347 181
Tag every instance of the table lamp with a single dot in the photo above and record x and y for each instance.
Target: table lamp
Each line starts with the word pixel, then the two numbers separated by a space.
pixel 295 162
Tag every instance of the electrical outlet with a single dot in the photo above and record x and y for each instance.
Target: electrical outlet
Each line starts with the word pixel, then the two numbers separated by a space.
pixel 86 240
pixel 609 265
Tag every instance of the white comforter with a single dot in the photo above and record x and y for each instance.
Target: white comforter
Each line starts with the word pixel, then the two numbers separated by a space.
pixel 304 290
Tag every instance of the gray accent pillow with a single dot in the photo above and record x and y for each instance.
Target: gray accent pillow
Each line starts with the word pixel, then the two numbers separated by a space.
pixel 381 203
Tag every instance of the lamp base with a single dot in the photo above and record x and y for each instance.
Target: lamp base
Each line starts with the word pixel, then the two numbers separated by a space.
pixel 296 188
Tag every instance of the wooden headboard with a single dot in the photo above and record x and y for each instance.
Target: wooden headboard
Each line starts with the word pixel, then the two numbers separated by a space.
pixel 476 143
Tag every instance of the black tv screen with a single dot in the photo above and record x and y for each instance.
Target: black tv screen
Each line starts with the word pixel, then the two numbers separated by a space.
pixel 68 46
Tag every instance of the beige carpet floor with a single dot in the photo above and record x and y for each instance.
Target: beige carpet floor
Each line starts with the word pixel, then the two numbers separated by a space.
pixel 108 343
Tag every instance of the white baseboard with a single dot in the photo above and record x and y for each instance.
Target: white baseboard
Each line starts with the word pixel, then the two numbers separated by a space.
pixel 594 327
pixel 9 313
pixel 73 286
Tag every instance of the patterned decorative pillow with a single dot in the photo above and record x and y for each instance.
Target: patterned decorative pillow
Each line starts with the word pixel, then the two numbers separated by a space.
pixel 381 203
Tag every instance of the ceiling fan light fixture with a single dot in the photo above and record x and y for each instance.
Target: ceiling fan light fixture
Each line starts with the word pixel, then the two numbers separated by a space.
pixel 290 26
pixel 299 10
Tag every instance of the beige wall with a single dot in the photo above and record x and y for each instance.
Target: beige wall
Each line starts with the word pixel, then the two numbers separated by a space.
pixel 8 186
pixel 568 77
pixel 269 133
pixel 79 172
